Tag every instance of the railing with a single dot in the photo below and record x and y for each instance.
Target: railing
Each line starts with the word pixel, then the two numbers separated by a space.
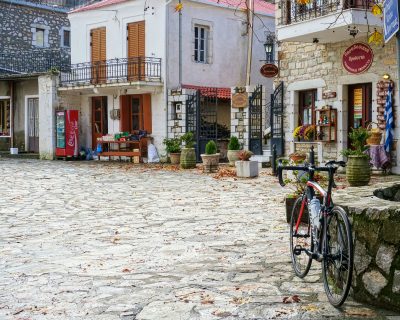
pixel 112 71
pixel 33 61
pixel 293 11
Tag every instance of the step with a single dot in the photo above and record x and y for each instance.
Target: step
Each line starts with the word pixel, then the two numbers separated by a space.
pixel 267 152
pixel 260 158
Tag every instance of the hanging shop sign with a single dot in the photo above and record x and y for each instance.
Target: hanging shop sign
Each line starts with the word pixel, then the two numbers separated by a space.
pixel 240 100
pixel 328 94
pixel 357 58
pixel 269 70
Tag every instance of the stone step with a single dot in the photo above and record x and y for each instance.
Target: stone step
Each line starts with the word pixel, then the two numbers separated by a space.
pixel 260 158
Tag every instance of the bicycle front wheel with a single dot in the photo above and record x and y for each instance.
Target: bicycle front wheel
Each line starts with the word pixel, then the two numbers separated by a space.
pixel 337 266
pixel 301 239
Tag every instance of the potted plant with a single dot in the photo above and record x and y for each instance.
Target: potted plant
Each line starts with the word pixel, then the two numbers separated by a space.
pixel 296 133
pixel 233 150
pixel 210 157
pixel 297 157
pixel 173 147
pixel 188 154
pixel 358 169
pixel 244 167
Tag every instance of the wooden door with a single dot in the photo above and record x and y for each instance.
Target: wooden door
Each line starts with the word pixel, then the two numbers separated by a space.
pixel 33 125
pixel 136 50
pixel 98 55
pixel 99 119
pixel 136 113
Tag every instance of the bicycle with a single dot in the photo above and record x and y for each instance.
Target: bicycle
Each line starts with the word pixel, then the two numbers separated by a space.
pixel 323 234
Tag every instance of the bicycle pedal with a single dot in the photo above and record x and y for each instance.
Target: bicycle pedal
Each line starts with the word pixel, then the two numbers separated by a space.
pixel 297 250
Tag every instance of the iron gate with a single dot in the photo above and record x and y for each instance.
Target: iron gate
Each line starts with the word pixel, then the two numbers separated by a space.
pixel 201 118
pixel 277 137
pixel 255 121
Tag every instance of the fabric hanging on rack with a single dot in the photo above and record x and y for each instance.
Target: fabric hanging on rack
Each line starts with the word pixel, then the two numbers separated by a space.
pixel 389 119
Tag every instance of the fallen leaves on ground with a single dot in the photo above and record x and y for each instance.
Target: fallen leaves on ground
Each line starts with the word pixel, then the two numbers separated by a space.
pixel 360 312
pixel 292 299
pixel 126 270
pixel 225 173
pixel 240 300
pixel 221 314
pixel 206 299
pixel 310 308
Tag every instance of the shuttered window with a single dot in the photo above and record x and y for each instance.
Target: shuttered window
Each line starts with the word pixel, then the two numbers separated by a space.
pixel 98 44
pixel 136 39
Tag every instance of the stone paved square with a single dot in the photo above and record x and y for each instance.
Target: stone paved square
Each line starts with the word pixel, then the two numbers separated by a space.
pixel 90 240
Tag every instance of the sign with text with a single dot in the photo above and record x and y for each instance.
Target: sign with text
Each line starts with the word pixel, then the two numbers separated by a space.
pixel 269 70
pixel 357 58
pixel 390 18
pixel 240 100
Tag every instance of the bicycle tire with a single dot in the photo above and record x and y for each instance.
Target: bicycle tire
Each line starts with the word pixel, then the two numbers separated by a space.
pixel 306 241
pixel 337 266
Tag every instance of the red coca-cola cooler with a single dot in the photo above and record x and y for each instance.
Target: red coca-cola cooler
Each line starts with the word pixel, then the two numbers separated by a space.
pixel 67 133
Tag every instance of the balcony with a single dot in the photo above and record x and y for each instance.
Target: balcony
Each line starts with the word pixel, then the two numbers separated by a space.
pixel 114 71
pixel 32 62
pixel 325 21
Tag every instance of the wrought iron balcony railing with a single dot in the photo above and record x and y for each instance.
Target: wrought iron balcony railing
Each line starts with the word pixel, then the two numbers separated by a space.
pixel 33 62
pixel 293 11
pixel 113 71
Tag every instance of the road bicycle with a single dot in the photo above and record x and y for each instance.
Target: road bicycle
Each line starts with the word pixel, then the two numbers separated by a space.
pixel 321 231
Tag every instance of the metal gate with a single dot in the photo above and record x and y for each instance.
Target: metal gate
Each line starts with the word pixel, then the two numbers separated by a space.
pixel 277 137
pixel 255 121
pixel 201 117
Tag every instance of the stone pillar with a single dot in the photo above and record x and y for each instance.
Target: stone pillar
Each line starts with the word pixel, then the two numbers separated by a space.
pixel 48 101
pixel 240 122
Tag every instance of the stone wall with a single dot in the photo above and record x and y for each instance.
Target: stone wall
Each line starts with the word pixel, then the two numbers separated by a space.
pixel 376 230
pixel 17 41
pixel 306 66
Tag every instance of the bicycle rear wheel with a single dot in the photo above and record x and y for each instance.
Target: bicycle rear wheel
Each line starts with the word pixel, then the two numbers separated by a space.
pixel 302 239
pixel 337 267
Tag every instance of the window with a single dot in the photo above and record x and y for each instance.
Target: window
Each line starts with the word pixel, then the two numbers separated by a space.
pixel 66 38
pixel 306 107
pixel 201 34
pixel 39 37
pixel 5 118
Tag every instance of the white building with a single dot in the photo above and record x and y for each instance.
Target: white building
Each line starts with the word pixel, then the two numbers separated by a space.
pixel 128 55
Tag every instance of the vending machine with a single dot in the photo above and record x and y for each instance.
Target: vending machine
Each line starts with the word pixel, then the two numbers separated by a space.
pixel 67 133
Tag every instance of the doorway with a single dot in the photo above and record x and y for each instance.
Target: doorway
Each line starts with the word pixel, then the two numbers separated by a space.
pixel 360 105
pixel 33 125
pixel 99 119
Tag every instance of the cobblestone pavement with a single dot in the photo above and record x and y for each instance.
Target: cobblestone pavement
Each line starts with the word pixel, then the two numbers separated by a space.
pixel 114 241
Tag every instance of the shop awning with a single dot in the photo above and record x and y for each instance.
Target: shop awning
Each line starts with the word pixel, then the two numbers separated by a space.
pixel 221 93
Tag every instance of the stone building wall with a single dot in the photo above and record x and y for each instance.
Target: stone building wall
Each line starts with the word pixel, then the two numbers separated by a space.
pixel 17 41
pixel 319 66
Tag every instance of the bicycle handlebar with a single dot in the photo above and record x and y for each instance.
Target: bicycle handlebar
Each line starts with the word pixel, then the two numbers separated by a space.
pixel 329 166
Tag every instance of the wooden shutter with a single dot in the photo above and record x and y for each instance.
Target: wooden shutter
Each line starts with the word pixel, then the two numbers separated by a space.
pixel 124 113
pixel 136 39
pixel 98 44
pixel 147 113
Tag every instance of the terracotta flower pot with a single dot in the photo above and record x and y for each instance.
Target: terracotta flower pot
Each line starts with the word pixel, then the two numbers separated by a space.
pixel 175 158
pixel 210 162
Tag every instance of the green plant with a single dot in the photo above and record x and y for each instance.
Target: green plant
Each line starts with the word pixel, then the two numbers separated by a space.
pixel 211 147
pixel 245 155
pixel 188 138
pixel 233 143
pixel 298 183
pixel 358 142
pixel 172 145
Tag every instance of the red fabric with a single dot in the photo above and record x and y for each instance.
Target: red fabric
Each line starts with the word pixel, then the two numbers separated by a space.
pixel 222 93
pixel 259 5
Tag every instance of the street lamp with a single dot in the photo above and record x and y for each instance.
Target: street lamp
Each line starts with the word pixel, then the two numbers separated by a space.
pixel 269 48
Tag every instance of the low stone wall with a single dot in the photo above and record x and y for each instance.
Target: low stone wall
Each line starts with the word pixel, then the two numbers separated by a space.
pixel 376 231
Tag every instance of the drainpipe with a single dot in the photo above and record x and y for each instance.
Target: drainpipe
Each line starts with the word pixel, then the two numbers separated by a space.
pixel 12 86
pixel 180 46
pixel 166 58
pixel 250 18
